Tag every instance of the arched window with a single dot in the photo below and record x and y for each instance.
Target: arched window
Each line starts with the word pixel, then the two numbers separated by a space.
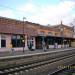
pixel 49 33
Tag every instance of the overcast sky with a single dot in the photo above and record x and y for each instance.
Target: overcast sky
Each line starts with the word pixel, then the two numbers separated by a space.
pixel 39 11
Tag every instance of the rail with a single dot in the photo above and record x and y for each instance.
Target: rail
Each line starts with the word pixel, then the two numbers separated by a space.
pixel 35 63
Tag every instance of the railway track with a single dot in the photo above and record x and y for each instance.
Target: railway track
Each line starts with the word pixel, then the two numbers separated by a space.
pixel 40 67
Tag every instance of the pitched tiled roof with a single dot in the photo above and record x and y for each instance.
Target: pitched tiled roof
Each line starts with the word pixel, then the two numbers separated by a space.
pixel 13 26
pixel 8 25
pixel 57 26
pixel 16 27
pixel 49 28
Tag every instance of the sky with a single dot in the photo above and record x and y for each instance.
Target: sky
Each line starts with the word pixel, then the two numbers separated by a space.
pixel 45 12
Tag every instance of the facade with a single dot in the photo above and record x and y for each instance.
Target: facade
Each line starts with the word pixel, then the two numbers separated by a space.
pixel 57 36
pixel 17 34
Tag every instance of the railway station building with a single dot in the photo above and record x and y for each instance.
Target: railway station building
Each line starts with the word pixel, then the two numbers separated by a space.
pixel 21 34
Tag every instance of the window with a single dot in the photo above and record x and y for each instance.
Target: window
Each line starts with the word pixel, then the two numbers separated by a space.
pixel 42 33
pixel 3 40
pixel 18 41
pixel 49 33
pixel 50 41
pixel 14 37
pixel 3 43
pixel 30 40
pixel 56 34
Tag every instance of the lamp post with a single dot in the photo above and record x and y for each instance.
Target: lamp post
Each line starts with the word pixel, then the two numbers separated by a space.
pixel 23 40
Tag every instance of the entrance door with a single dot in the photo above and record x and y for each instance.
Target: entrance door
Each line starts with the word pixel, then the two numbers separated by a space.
pixel 38 43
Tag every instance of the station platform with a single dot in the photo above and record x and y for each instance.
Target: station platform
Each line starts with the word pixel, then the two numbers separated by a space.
pixel 10 53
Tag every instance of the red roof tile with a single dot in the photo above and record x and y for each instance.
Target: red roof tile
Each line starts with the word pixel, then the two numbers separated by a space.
pixel 15 27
